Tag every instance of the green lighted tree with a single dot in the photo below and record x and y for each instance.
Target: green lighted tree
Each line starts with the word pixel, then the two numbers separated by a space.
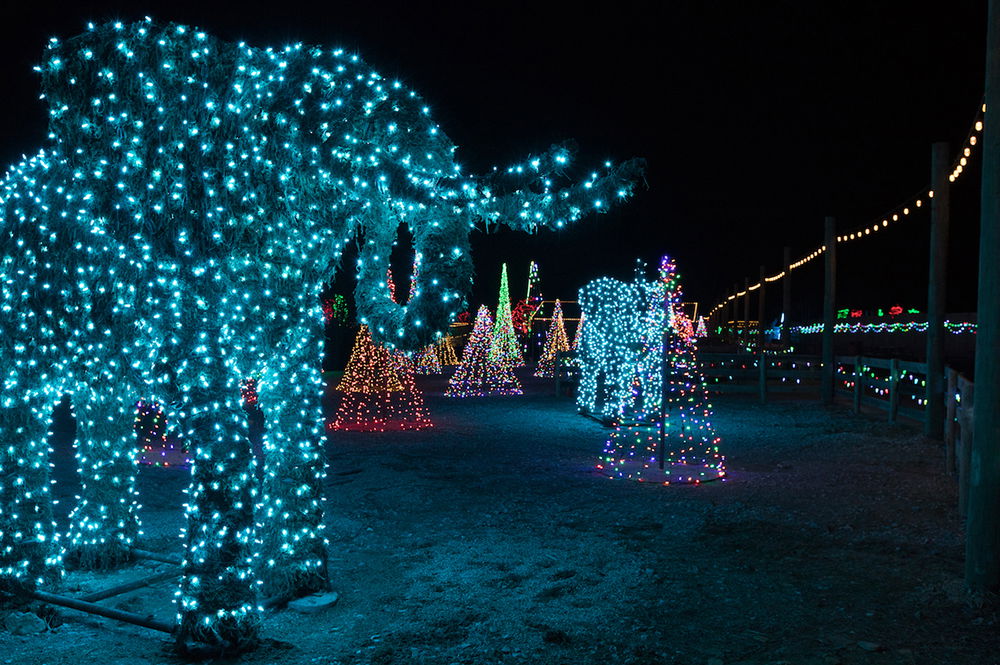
pixel 504 347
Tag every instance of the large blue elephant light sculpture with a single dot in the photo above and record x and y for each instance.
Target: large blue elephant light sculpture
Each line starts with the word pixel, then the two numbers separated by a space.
pixel 172 238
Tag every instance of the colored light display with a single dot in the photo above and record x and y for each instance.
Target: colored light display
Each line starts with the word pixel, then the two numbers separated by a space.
pixel 173 237
pixel 378 391
pixel 533 281
pixel 954 327
pixel 156 448
pixel 335 309
pixel 702 329
pixel 674 442
pixel 428 361
pixel 579 332
pixel 895 215
pixel 523 313
pixel 610 344
pixel 446 351
pixel 478 375
pixel 504 347
pixel 555 342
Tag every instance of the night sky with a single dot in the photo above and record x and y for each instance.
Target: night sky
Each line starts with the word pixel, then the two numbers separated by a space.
pixel 757 119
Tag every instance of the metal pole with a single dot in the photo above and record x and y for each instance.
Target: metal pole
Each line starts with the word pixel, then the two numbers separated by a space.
pixel 829 297
pixel 156 556
pixel 982 541
pixel 93 608
pixel 129 586
pixel 937 279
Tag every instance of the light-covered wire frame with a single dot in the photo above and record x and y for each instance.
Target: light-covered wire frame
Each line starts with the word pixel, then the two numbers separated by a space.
pixel 172 238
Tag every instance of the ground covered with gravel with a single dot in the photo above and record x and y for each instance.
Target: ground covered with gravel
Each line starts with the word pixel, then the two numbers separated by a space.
pixel 490 539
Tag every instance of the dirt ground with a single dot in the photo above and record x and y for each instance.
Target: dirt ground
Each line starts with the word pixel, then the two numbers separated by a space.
pixel 490 539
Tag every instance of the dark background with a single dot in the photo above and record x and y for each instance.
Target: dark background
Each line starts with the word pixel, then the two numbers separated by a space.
pixel 757 119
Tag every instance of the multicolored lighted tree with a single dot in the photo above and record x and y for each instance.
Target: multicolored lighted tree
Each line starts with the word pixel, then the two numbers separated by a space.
pixel 701 330
pixel 579 332
pixel 446 351
pixel 378 392
pixel 556 341
pixel 504 347
pixel 479 375
pixel 428 361
pixel 676 442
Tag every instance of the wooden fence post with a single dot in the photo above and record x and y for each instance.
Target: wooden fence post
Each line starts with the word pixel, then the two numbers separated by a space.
pixel 967 430
pixel 736 312
pixel 829 296
pixel 937 276
pixel 859 377
pixel 982 528
pixel 761 313
pixel 949 421
pixel 746 309
pixel 893 389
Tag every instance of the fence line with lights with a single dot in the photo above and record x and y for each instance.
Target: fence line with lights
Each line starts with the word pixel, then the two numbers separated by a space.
pixel 895 214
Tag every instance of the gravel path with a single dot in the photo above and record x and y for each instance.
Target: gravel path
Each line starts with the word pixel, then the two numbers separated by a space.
pixel 489 539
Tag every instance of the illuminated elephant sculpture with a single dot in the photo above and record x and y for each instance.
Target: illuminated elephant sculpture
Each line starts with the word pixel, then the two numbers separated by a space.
pixel 619 348
pixel 173 237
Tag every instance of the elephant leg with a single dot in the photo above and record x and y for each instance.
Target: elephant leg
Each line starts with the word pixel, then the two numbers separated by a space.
pixel 218 608
pixel 104 524
pixel 29 548
pixel 293 555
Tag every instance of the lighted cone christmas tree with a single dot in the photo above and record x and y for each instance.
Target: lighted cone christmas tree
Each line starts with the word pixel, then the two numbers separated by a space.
pixel 676 442
pixel 378 392
pixel 446 351
pixel 701 331
pixel 428 361
pixel 478 375
pixel 578 334
pixel 505 347
pixel 555 341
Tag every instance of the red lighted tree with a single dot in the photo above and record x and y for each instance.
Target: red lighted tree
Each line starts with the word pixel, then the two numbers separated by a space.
pixel 378 392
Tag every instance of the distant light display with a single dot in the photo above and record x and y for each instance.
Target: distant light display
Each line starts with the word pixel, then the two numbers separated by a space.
pixel 555 342
pixel 378 392
pixel 504 347
pixel 479 374
pixel 428 361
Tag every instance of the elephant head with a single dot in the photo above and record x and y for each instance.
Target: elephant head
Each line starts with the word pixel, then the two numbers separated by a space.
pixel 201 150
